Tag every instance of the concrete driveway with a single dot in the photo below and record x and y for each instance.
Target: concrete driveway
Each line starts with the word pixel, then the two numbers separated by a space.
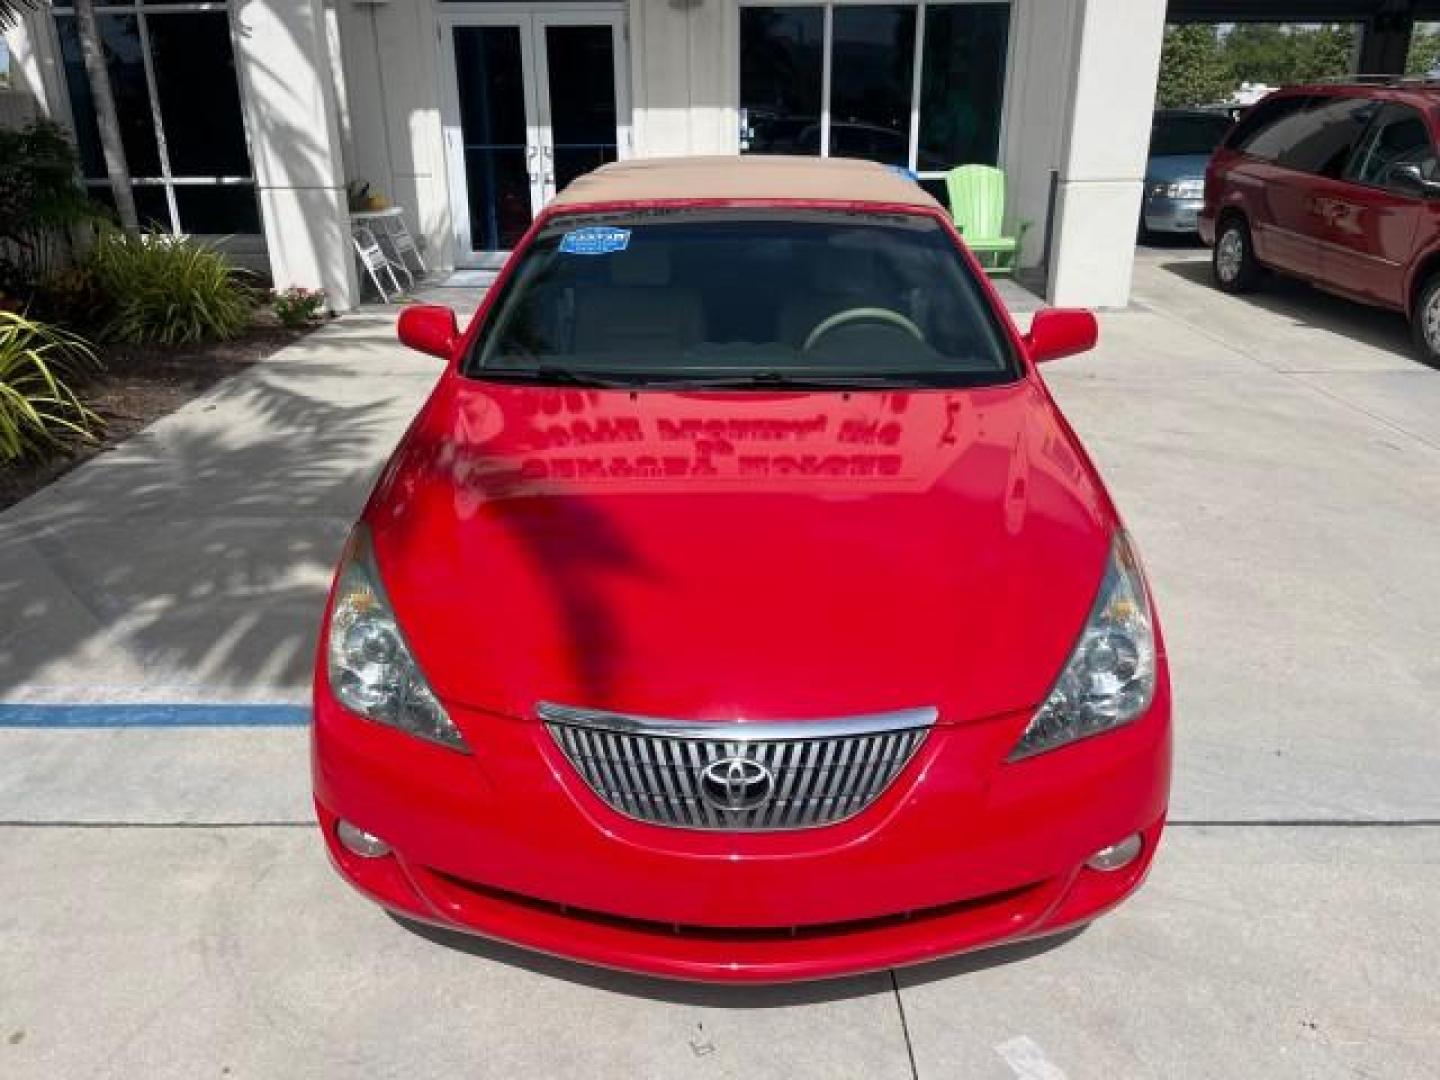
pixel 165 909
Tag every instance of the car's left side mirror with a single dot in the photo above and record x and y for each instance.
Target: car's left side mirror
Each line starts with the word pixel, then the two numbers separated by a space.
pixel 1410 180
pixel 429 328
pixel 1057 332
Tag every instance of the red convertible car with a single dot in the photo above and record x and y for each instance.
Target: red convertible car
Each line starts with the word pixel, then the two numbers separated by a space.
pixel 740 606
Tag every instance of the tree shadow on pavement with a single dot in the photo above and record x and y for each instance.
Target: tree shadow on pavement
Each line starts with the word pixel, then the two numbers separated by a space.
pixel 198 552
pixel 723 996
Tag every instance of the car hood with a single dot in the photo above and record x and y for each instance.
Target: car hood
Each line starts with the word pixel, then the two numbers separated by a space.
pixel 749 555
pixel 1176 167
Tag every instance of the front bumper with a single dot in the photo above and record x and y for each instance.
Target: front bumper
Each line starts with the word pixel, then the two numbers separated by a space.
pixel 956 855
pixel 1164 214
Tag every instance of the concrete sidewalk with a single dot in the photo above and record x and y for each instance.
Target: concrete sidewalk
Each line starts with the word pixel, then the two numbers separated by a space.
pixel 1278 459
pixel 189 563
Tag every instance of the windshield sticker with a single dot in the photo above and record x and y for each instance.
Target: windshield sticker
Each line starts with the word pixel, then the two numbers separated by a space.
pixel 595 240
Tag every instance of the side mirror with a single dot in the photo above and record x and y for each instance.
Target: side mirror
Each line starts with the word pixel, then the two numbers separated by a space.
pixel 1409 180
pixel 429 328
pixel 1057 332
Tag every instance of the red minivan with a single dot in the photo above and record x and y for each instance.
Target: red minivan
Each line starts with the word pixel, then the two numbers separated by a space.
pixel 1337 185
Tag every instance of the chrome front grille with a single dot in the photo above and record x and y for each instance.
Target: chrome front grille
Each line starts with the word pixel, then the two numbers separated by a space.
pixel 741 776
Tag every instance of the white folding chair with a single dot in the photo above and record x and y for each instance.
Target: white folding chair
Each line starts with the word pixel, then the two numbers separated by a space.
pixel 404 244
pixel 374 259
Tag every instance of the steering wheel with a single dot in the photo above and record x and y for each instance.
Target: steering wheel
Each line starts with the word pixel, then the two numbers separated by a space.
pixel 861 314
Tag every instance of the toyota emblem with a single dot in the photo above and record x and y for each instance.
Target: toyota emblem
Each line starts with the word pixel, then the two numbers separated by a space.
pixel 736 783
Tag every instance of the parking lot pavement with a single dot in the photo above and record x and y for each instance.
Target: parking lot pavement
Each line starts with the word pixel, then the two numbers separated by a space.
pixel 203 952
pixel 166 910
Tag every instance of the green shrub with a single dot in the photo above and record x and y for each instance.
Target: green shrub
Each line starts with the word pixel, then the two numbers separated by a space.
pixel 297 307
pixel 167 290
pixel 41 200
pixel 37 406
pixel 72 297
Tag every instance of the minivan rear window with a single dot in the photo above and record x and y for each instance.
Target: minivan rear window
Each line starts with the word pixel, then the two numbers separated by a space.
pixel 1259 118
pixel 1269 128
pixel 726 295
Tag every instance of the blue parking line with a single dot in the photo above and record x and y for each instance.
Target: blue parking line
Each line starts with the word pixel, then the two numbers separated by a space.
pixel 151 716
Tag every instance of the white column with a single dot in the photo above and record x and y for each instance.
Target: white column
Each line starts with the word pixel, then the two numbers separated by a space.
pixel 1102 165
pixel 34 73
pixel 282 55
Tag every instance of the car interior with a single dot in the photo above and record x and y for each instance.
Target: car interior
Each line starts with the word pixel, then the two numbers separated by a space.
pixel 712 296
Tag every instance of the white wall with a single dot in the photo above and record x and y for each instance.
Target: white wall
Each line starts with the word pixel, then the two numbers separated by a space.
pixel 1035 111
pixel 1110 101
pixel 24 100
pixel 684 76
pixel 290 113
pixel 393 138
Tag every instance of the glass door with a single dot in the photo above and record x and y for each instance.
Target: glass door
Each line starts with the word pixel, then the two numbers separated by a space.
pixel 534 99
pixel 584 121
pixel 492 136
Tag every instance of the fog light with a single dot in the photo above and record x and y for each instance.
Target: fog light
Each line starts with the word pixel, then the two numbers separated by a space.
pixel 1116 856
pixel 359 842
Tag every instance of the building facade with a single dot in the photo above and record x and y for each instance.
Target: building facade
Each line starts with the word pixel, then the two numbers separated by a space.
pixel 246 119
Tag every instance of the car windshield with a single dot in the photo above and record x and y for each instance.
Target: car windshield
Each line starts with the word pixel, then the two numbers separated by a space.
pixel 744 296
pixel 1176 136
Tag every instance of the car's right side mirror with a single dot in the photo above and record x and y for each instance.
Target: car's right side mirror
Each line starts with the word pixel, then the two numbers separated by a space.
pixel 1057 332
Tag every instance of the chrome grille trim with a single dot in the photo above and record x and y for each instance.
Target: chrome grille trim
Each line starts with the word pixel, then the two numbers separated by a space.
pixel 819 772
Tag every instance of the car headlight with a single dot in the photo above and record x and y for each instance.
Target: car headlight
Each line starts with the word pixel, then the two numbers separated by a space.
pixel 372 671
pixel 1178 189
pixel 1109 678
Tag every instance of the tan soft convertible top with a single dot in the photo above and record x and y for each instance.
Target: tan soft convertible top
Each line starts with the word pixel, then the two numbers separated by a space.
pixel 748 177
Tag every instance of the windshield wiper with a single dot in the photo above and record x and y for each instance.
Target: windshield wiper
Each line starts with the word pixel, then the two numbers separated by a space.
pixel 558 376
pixel 789 381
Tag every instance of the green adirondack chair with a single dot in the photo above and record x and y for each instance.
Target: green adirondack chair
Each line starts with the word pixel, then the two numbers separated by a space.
pixel 977 203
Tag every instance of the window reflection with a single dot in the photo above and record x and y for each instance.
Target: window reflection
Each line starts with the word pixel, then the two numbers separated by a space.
pixel 781 69
pixel 192 109
pixel 120 38
pixel 871 82
pixel 962 84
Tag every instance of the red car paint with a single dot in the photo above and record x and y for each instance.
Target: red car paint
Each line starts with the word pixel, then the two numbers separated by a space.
pixel 647 553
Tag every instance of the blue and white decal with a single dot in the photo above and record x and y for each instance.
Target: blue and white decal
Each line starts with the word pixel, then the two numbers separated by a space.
pixel 595 240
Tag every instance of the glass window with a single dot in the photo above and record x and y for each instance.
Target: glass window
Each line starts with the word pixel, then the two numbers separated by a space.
pixel 150 204
pixel 873 93
pixel 962 84
pixel 1398 137
pixel 581 63
pixel 217 208
pixel 125 61
pixel 491 83
pixel 1321 138
pixel 199 94
pixel 181 120
pixel 1187 134
pixel 781 69
pixel 736 295
pixel 1267 128
pixel 871 81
